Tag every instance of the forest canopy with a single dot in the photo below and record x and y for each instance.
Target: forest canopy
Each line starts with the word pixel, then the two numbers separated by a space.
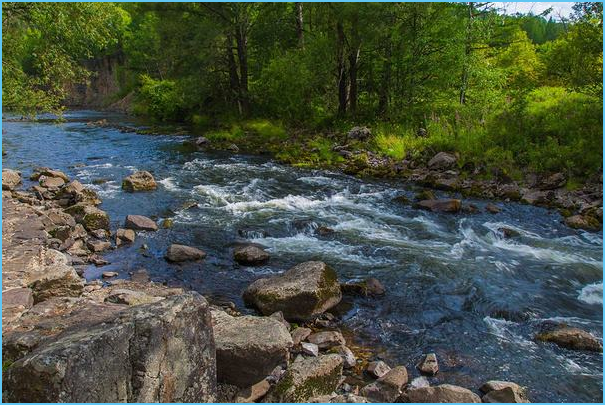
pixel 520 90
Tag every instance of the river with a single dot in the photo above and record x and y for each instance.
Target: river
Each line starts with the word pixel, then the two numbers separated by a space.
pixel 455 286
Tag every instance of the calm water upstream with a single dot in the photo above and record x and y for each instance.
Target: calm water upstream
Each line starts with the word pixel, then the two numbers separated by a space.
pixel 455 286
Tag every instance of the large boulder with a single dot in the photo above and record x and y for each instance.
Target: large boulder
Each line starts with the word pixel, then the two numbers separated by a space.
pixel 308 378
pixel 162 352
pixel 248 348
pixel 503 392
pixel 441 393
pixel 91 217
pixel 301 293
pixel 442 161
pixel 51 182
pixel 10 179
pixel 450 205
pixel 139 181
pixel 45 171
pixel 140 223
pixel 570 338
pixel 50 275
pixel 181 253
pixel 250 255
pixel 74 192
pixel 388 387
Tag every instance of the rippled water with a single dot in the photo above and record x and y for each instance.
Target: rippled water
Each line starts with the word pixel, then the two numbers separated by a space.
pixel 455 286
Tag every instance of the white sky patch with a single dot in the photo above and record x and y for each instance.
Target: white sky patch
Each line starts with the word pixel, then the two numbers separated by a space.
pixel 560 9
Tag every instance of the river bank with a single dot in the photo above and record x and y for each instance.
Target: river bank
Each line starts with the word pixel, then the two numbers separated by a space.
pixel 416 254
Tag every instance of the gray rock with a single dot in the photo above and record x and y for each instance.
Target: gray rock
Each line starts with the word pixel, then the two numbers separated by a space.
pixel 89 216
pixel 301 293
pixel 140 223
pixel 503 392
pixel 327 339
pixel 359 134
pixel 429 365
pixel 308 378
pixel 451 205
pixel 139 181
pixel 248 348
pixel 250 255
pixel 310 349
pixel 181 253
pixel 124 236
pixel 299 335
pixel 378 368
pixel 50 275
pixel 162 352
pixel 442 161
pixel 441 393
pixel 368 287
pixel 419 382
pixel 254 392
pixel 388 387
pixel 10 179
pixel 348 358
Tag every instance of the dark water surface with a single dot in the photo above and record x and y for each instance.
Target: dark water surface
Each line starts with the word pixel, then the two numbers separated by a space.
pixel 454 285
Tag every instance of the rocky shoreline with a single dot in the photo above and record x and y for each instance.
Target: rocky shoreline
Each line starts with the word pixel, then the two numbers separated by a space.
pixel 140 341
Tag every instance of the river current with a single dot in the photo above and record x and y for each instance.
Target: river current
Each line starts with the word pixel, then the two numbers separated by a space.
pixel 455 286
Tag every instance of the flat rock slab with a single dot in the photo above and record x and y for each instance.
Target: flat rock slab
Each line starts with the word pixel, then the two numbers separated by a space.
pixel 140 223
pixel 181 253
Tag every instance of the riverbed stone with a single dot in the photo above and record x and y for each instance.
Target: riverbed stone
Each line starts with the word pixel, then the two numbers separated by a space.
pixel 248 347
pixel 49 274
pixel 10 179
pixel 124 236
pixel 51 182
pixel 570 338
pixel 97 246
pixel 441 393
pixel 442 161
pixel 130 297
pixel 140 223
pixel 139 181
pixel 365 288
pixel 90 216
pixel 327 339
pixel 583 222
pixel 429 365
pixel 45 171
pixel 250 255
pixel 503 392
pixel 161 352
pixel 301 293
pixel 450 205
pixel 348 357
pixel 492 208
pixel 299 335
pixel 308 378
pixel 180 253
pixel 378 368
pixel 310 349
pixel 388 387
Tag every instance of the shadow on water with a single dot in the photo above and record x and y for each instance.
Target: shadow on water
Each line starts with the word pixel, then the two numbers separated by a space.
pixel 455 286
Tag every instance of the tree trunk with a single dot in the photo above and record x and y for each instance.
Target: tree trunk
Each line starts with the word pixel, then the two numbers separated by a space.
pixel 233 75
pixel 354 63
pixel 341 70
pixel 299 25
pixel 242 53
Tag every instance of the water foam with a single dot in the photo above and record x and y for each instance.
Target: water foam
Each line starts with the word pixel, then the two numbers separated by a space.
pixel 169 184
pixel 592 294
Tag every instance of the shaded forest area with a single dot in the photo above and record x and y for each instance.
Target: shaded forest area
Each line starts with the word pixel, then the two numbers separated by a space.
pixel 517 93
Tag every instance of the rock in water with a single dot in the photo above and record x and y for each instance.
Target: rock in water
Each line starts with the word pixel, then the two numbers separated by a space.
pixel 583 222
pixel 10 179
pixel 248 348
pixel 388 387
pixel 90 216
pixel 139 181
pixel 140 223
pixel 429 365
pixel 571 338
pixel 301 293
pixel 442 161
pixel 378 368
pixel 162 352
pixel 181 253
pixel 250 255
pixel 503 392
pixel 365 288
pixel 308 378
pixel 124 236
pixel 441 393
pixel 451 205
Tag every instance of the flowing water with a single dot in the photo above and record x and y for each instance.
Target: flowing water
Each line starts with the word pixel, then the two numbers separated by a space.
pixel 454 285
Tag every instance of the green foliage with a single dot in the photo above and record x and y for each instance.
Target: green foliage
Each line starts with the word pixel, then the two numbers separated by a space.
pixel 160 99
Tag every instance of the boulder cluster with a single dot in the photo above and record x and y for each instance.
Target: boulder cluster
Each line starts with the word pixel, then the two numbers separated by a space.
pixel 139 341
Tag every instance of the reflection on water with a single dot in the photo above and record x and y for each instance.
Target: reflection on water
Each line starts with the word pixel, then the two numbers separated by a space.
pixel 455 285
